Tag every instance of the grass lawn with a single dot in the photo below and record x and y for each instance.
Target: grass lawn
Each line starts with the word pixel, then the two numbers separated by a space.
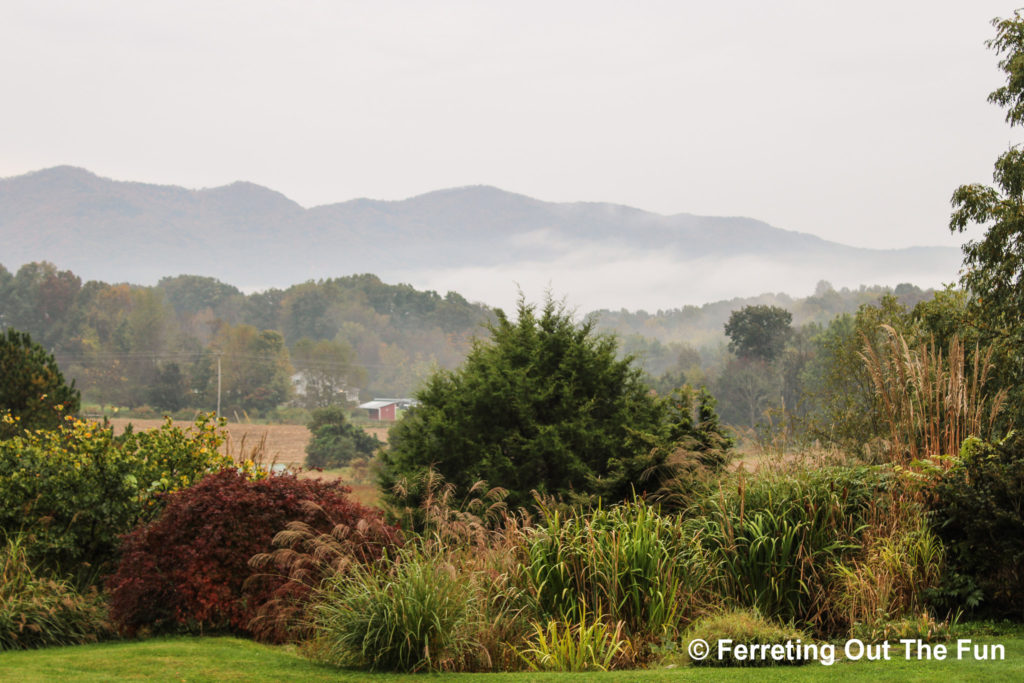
pixel 222 658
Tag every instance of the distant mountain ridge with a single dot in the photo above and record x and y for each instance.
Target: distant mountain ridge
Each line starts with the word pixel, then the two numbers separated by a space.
pixel 256 237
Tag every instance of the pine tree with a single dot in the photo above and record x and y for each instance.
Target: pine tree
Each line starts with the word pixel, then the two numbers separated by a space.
pixel 33 394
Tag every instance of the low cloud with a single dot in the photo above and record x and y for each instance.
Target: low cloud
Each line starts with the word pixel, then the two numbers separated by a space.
pixel 591 278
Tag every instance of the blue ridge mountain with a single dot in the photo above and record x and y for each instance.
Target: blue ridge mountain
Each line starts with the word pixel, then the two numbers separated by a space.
pixel 256 238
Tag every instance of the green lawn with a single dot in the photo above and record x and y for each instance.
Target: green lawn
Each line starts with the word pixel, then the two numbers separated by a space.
pixel 219 659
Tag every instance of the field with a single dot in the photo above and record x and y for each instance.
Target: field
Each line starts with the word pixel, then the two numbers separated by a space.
pixel 276 443
pixel 284 444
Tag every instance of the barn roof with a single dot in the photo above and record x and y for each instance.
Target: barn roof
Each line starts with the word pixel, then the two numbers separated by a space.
pixel 378 403
pixel 402 403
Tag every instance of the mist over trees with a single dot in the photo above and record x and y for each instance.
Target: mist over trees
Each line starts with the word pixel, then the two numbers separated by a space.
pixel 330 341
pixel 766 377
pixel 129 345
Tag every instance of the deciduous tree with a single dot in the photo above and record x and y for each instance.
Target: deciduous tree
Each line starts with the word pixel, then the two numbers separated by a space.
pixel 994 264
pixel 758 332
pixel 256 371
pixel 328 369
pixel 336 441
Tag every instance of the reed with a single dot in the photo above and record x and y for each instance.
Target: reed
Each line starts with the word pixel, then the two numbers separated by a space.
pixel 452 599
pixel 39 611
pixel 627 562
pixel 417 614
pixel 902 561
pixel 931 401
pixel 590 645
pixel 773 541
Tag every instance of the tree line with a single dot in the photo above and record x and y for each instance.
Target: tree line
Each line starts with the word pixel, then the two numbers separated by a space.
pixel 328 341
pixel 130 345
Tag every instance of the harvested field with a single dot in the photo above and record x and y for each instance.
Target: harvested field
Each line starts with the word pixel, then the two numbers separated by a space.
pixel 284 444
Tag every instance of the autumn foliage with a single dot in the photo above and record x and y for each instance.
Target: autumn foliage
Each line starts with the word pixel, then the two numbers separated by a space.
pixel 189 569
pixel 77 489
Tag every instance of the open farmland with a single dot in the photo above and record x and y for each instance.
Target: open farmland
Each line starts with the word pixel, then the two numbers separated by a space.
pixel 282 443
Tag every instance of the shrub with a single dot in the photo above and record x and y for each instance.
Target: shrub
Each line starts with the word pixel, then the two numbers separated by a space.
pixel 544 405
pixel 335 442
pixel 416 613
pixel 978 512
pixel 33 393
pixel 902 564
pixel 590 645
pixel 39 611
pixel 922 627
pixel 746 627
pixel 287 414
pixel 472 550
pixel 78 488
pixel 627 563
pixel 189 568
pixel 144 412
pixel 773 541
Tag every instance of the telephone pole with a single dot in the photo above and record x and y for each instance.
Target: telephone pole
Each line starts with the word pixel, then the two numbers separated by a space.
pixel 218 385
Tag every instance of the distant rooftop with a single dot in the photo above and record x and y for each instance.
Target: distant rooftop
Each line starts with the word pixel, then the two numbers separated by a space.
pixel 381 402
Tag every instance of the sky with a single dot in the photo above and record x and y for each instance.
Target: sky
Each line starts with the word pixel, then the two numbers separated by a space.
pixel 851 121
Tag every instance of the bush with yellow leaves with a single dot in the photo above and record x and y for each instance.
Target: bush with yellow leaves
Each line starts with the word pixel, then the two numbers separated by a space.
pixel 73 491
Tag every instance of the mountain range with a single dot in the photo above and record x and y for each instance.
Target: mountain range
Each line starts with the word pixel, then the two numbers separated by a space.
pixel 256 238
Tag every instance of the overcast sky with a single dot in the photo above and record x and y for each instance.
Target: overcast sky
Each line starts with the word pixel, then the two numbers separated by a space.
pixel 853 121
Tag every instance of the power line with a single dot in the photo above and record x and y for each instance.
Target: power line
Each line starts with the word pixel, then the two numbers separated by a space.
pixel 108 356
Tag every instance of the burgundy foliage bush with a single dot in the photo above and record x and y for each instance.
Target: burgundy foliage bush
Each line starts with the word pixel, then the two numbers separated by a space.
pixel 189 569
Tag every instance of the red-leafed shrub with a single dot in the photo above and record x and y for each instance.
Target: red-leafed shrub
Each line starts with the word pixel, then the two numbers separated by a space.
pixel 189 569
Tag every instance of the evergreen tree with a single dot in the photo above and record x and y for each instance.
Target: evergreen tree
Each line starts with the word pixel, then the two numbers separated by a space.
pixel 336 442
pixel 544 406
pixel 168 390
pixel 32 389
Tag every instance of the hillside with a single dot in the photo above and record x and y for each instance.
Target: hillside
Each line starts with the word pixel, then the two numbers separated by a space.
pixel 257 238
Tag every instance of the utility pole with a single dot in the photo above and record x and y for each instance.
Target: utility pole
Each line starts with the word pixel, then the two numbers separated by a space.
pixel 218 385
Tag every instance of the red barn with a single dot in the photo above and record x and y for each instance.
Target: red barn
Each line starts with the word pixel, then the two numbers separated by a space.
pixel 387 409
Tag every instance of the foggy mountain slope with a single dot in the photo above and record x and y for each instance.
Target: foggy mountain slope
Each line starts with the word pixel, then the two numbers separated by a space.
pixel 258 238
